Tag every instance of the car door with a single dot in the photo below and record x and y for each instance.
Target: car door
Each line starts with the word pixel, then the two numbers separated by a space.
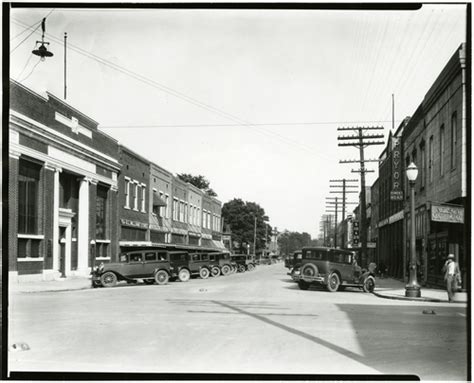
pixel 135 267
pixel 151 263
pixel 340 263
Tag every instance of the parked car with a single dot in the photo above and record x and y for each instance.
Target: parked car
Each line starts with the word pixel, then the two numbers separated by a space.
pixel 244 262
pixel 221 263
pixel 148 265
pixel 186 264
pixel 335 269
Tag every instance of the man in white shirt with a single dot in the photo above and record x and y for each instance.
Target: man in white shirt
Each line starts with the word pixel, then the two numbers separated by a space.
pixel 452 276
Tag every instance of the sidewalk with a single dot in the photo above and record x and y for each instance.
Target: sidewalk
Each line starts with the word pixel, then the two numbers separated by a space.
pixel 395 289
pixel 62 284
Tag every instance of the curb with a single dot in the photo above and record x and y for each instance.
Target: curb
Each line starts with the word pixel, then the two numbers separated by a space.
pixel 401 298
pixel 49 290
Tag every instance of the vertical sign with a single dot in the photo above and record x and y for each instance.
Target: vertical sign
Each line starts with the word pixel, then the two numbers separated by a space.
pixel 396 193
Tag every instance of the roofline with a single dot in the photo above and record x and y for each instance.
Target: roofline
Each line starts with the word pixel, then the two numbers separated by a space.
pixel 60 100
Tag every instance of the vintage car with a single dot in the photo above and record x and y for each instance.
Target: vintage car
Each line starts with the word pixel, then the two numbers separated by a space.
pixel 334 268
pixel 244 262
pixel 186 264
pixel 148 265
pixel 221 263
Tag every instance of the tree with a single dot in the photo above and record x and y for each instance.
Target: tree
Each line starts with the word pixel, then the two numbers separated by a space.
pixel 240 216
pixel 200 182
pixel 290 241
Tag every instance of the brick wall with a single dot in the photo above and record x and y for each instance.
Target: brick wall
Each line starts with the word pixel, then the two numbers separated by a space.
pixel 13 213
pixel 48 186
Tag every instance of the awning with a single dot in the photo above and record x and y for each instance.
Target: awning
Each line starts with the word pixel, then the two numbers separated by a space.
pixel 219 245
pixel 157 201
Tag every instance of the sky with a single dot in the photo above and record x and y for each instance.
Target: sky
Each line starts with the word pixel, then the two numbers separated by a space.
pixel 251 99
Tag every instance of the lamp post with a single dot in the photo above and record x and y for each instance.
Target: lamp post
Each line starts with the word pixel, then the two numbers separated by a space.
pixel 255 236
pixel 412 289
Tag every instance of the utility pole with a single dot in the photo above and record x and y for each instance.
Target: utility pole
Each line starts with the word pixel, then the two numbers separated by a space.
pixel 361 140
pixel 345 185
pixel 334 201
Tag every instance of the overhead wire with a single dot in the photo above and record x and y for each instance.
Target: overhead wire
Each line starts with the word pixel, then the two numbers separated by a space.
pixel 183 96
pixel 33 31
pixel 32 70
pixel 27 62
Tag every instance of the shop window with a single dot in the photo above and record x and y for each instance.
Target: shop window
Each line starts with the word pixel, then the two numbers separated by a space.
pixel 101 213
pixel 29 248
pixel 102 250
pixel 28 197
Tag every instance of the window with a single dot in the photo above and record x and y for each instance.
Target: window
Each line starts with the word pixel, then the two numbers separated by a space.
pixel 212 257
pixel 422 164
pixel 101 213
pixel 453 140
pixel 195 257
pixel 136 257
pixel 28 197
pixel 430 159
pixel 175 209
pixel 441 150
pixel 149 257
pixel 167 206
pixel 135 197
pixel 162 256
pixel 127 193
pixel 143 198
pixel 123 257
pixel 205 257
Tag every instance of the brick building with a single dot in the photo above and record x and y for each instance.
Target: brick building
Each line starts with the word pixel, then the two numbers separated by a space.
pixel 134 203
pixel 160 200
pixel 435 140
pixel 62 188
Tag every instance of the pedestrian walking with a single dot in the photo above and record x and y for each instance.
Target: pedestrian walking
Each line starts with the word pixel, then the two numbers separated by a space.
pixel 452 276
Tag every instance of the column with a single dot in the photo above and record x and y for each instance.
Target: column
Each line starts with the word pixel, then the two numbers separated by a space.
pixel 113 222
pixel 83 227
pixel 56 254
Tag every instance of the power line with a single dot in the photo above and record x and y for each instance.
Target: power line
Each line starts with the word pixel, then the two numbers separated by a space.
pixel 184 97
pixel 27 62
pixel 33 31
pixel 29 74
pixel 230 125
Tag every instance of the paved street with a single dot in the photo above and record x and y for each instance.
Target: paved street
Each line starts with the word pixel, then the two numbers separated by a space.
pixel 256 322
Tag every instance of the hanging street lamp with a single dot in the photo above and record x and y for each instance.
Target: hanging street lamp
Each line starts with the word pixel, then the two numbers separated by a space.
pixel 42 51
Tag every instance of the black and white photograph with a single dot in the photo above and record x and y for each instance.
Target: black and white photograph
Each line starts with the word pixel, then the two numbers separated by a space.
pixel 236 191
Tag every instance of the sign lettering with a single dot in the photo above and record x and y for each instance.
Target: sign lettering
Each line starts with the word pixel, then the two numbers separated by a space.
pixel 396 193
pixel 447 213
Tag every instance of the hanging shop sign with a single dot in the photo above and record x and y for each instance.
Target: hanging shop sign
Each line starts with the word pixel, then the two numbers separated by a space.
pixel 396 194
pixel 447 213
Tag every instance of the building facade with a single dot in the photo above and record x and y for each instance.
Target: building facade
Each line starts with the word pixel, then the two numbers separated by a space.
pixel 436 142
pixel 160 198
pixel 62 188
pixel 390 205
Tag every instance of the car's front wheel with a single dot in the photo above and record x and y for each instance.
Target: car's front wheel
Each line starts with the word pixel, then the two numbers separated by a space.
pixel 369 284
pixel 303 285
pixel 108 279
pixel 333 282
pixel 161 277
pixel 184 275
pixel 241 268
pixel 204 273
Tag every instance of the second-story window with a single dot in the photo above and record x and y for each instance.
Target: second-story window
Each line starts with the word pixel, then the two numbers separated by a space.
pixel 127 193
pixel 422 164
pixel 441 151
pixel 453 140
pixel 101 213
pixel 135 197
pixel 143 198
pixel 430 159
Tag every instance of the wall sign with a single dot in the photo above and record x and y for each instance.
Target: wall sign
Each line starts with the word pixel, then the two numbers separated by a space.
pixel 396 194
pixel 447 213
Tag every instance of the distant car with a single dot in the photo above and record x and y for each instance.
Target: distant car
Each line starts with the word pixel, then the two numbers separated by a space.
pixel 244 262
pixel 335 269
pixel 221 263
pixel 148 265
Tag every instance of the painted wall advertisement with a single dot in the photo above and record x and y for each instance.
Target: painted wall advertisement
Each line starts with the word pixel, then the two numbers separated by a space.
pixel 396 194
